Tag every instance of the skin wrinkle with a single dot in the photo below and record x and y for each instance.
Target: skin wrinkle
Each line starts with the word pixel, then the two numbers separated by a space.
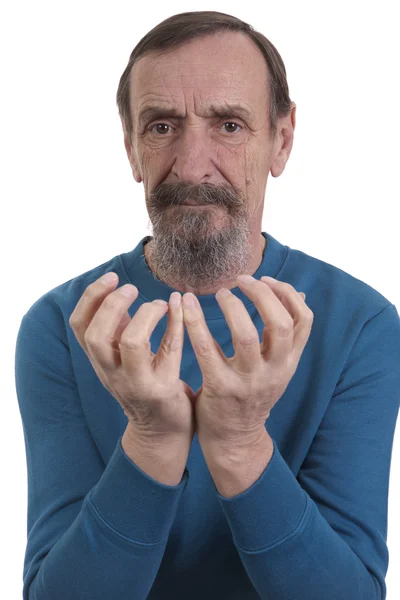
pixel 200 250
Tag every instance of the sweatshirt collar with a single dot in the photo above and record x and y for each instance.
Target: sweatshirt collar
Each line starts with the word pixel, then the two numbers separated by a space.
pixel 151 288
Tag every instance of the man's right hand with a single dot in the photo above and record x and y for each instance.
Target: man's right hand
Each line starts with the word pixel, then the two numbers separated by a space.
pixel 157 403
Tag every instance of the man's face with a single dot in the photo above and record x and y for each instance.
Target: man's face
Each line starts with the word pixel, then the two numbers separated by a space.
pixel 219 163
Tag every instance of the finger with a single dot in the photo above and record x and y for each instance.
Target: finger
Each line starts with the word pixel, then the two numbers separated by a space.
pixel 277 337
pixel 301 314
pixel 169 355
pixel 102 336
pixel 88 304
pixel 245 337
pixel 135 347
pixel 206 348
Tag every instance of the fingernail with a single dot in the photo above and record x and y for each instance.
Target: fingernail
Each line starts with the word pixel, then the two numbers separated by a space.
pixel 127 290
pixel 108 277
pixel 223 292
pixel 245 278
pixel 160 302
pixel 175 299
pixel 268 279
pixel 188 300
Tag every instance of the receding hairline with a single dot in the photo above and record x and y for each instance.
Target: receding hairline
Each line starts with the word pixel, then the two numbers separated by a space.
pixel 160 41
pixel 158 53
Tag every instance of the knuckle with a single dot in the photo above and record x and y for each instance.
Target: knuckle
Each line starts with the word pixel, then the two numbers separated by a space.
pixel 249 340
pixel 193 320
pixel 133 342
pixel 96 339
pixel 284 329
pixel 202 347
pixel 309 315
pixel 92 339
pixel 170 344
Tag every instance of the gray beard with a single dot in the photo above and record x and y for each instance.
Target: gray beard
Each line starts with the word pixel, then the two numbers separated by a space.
pixel 201 248
pixel 199 255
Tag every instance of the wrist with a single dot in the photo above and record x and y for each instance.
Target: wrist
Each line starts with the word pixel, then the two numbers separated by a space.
pixel 162 460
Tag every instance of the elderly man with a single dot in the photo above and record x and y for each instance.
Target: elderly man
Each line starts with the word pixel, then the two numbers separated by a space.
pixel 235 445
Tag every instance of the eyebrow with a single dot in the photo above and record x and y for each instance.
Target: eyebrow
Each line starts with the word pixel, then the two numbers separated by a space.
pixel 214 110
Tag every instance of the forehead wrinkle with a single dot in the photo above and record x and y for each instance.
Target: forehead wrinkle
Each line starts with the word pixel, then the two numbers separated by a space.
pixel 213 109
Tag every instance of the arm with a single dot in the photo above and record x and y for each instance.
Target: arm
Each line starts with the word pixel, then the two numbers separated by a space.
pixel 94 530
pixel 323 533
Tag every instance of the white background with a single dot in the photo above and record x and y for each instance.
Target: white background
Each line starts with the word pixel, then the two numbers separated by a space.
pixel 70 203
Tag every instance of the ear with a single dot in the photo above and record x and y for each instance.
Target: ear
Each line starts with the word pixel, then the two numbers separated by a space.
pixel 131 155
pixel 284 142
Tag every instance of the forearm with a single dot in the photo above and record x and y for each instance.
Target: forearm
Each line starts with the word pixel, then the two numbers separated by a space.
pixel 164 461
pixel 110 546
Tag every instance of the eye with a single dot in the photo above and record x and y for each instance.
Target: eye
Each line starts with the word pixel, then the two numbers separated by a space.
pixel 166 125
pixel 156 125
pixel 232 123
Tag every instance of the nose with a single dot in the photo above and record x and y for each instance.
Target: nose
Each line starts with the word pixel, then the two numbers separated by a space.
pixel 193 156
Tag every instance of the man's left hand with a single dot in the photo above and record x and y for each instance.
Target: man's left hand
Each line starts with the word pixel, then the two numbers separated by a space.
pixel 238 393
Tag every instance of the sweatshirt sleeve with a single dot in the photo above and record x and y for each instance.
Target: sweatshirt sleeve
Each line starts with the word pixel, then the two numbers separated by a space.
pixel 93 530
pixel 324 533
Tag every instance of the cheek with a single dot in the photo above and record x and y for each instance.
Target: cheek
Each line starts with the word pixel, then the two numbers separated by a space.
pixel 252 168
pixel 232 162
pixel 154 164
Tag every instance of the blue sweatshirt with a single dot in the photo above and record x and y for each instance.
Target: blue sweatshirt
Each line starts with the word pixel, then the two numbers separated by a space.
pixel 312 527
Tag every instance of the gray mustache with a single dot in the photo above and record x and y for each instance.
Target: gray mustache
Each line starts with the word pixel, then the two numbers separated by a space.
pixel 168 194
